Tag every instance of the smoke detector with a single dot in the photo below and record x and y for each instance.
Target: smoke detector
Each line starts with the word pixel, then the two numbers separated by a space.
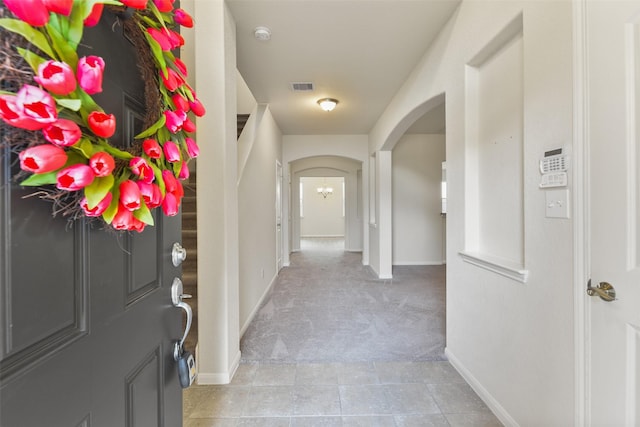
pixel 262 33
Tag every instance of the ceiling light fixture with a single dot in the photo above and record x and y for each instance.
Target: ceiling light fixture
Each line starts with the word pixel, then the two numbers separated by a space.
pixel 327 104
pixel 262 33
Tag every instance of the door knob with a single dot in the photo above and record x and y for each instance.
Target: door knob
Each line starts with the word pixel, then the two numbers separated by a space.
pixel 604 290
pixel 178 254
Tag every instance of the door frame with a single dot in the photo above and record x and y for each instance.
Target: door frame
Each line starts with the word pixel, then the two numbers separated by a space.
pixel 582 216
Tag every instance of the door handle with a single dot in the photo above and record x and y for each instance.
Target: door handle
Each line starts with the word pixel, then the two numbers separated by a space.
pixel 604 290
pixel 185 362
pixel 178 254
pixel 176 298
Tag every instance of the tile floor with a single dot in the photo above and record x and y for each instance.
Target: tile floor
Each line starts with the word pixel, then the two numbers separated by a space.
pixel 382 394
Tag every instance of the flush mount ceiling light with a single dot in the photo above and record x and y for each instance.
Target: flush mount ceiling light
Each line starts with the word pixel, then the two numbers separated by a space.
pixel 262 33
pixel 327 104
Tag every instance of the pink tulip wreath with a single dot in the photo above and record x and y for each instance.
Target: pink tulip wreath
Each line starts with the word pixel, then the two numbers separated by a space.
pixel 119 186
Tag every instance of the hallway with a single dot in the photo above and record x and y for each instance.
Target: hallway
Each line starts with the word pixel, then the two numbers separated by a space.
pixel 333 346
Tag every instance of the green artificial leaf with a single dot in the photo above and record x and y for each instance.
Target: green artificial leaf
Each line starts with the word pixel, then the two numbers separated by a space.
pixel 66 52
pixel 157 53
pixel 176 168
pixel 156 12
pixel 74 158
pixel 88 104
pixel 143 213
pixel 153 128
pixel 157 172
pixel 59 24
pixel 79 12
pixel 32 35
pixel 71 104
pixel 85 147
pixel 38 179
pixel 112 210
pixel 116 152
pixel 33 59
pixel 97 190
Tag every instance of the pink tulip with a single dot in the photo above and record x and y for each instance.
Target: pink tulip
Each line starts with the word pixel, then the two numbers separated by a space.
pixel 180 102
pixel 164 5
pixel 13 115
pixel 130 195
pixel 192 148
pixel 170 205
pixel 172 185
pixel 102 124
pixel 151 194
pixel 33 12
pixel 161 38
pixel 36 105
pixel 175 120
pixel 62 132
pixel 57 77
pixel 183 18
pixel 74 177
pixel 171 152
pixel 151 148
pixel 123 220
pixel 63 7
pixel 102 163
pixel 137 225
pixel 188 126
pixel 172 81
pixel 135 4
pixel 197 107
pixel 175 39
pixel 94 16
pixel 90 71
pixel 141 168
pixel 184 171
pixel 181 66
pixel 98 209
pixel 42 158
pixel 31 109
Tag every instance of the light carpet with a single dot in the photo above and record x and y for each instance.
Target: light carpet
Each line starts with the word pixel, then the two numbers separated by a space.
pixel 327 307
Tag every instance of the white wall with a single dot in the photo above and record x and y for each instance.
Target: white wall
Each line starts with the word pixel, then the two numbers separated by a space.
pixel 418 227
pixel 513 341
pixel 330 166
pixel 218 306
pixel 296 147
pixel 323 216
pixel 257 233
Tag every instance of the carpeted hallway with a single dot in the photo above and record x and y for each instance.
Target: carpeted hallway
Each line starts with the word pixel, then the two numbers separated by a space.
pixel 334 346
pixel 328 307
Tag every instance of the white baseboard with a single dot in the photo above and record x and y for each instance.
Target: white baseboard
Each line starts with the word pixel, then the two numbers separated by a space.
pixel 258 305
pixel 313 236
pixel 418 263
pixel 218 378
pixel 482 392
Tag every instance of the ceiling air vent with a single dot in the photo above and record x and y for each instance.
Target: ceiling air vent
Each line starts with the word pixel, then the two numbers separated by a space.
pixel 302 86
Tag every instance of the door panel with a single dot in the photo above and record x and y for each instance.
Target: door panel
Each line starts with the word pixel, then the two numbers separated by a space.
pixel 86 317
pixel 613 94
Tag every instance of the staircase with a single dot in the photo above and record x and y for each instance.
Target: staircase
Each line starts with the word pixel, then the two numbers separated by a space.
pixel 190 265
pixel 190 243
pixel 242 120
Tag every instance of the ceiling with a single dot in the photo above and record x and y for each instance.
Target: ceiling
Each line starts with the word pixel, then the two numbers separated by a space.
pixel 357 51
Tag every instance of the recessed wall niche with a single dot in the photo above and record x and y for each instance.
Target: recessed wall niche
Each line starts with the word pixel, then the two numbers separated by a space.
pixel 494 102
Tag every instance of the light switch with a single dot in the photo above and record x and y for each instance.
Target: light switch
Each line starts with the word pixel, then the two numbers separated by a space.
pixel 557 203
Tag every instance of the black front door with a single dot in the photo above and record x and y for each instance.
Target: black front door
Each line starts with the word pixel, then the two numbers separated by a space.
pixel 87 326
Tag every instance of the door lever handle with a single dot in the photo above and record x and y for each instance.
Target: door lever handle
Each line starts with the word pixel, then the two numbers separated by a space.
pixel 176 298
pixel 604 290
